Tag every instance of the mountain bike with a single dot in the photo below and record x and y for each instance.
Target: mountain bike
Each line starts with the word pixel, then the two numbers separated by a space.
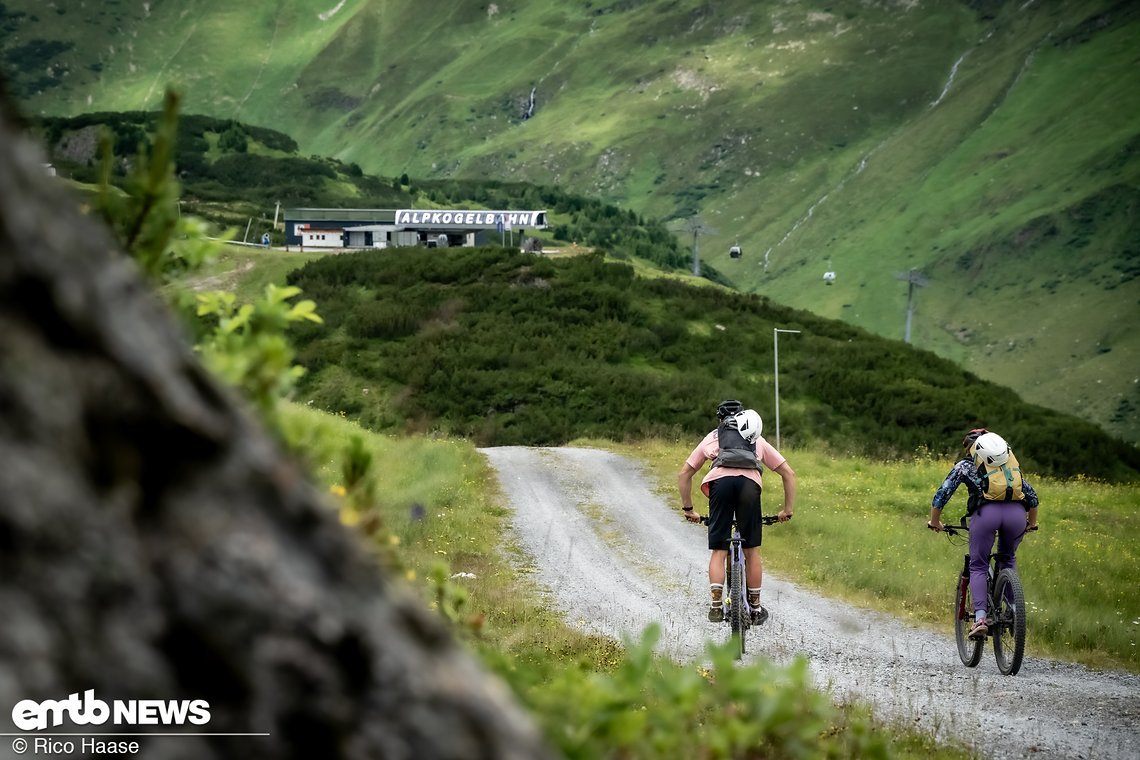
pixel 737 610
pixel 1005 611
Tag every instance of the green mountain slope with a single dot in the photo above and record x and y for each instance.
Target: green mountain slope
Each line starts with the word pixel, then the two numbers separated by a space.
pixel 991 145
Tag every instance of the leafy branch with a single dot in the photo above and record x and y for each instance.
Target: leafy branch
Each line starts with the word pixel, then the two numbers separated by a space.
pixel 248 348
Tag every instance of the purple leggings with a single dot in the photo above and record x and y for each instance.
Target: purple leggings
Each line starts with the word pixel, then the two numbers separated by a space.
pixel 1007 520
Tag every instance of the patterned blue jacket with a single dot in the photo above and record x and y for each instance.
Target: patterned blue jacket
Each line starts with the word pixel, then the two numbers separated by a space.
pixel 964 472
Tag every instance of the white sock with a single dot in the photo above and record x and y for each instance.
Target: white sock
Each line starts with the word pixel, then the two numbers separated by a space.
pixel 979 615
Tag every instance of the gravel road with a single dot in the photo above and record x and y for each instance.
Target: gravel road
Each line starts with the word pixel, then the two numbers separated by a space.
pixel 618 556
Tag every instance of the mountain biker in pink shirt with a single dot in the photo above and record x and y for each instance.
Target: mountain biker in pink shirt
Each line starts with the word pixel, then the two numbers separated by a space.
pixel 733 486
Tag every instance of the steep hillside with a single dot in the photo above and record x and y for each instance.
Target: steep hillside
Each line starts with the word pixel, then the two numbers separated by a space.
pixel 1018 196
pixel 990 145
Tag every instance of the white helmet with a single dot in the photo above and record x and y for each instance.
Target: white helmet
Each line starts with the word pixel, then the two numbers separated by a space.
pixel 991 449
pixel 749 424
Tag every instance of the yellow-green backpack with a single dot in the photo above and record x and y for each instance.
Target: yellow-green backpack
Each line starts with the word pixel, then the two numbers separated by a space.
pixel 1000 482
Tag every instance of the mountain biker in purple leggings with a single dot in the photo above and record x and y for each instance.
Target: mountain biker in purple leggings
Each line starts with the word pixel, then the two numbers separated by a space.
pixel 1008 520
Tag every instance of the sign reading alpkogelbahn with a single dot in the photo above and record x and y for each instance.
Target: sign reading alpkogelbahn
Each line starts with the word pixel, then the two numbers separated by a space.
pixel 463 219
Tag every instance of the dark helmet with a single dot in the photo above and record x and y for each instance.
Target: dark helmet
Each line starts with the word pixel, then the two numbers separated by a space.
pixel 728 408
pixel 972 436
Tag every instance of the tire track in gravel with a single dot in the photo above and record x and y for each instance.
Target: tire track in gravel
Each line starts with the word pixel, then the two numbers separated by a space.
pixel 616 556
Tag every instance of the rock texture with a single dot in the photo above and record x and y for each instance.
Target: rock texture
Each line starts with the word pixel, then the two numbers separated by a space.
pixel 155 543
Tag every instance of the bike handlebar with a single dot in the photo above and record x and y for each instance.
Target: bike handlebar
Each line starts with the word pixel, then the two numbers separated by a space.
pixel 765 519
pixel 962 527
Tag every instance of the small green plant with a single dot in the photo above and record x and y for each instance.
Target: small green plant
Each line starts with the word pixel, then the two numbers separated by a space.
pixel 145 215
pixel 355 468
pixel 449 598
pixel 651 707
pixel 248 347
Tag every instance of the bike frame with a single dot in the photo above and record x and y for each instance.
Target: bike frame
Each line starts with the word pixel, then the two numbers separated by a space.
pixel 737 610
pixel 1005 611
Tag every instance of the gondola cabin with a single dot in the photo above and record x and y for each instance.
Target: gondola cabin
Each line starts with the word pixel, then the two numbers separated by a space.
pixel 734 252
pixel 829 277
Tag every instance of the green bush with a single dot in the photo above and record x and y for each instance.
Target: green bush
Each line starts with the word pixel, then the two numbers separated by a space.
pixel 509 348
pixel 233 139
pixel 650 707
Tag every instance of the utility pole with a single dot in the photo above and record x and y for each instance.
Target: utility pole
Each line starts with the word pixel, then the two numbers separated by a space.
pixel 914 279
pixel 696 228
pixel 776 355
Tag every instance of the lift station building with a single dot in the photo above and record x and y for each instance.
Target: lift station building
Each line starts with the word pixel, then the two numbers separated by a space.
pixel 384 228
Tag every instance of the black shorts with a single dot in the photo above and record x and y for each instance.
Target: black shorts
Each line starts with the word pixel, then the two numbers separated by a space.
pixel 739 497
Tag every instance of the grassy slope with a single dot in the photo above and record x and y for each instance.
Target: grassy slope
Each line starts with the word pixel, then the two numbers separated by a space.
pixel 973 221
pixel 246 271
pixel 752 114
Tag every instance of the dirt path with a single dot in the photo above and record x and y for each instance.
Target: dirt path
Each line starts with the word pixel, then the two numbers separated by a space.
pixel 220 281
pixel 617 557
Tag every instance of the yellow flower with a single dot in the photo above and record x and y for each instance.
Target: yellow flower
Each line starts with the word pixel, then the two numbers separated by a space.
pixel 349 517
pixel 410 575
pixel 394 540
pixel 338 489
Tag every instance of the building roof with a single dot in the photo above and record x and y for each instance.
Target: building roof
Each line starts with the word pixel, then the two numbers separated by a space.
pixel 362 215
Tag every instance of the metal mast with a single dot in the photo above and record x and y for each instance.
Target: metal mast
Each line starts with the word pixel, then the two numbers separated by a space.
pixel 914 279
pixel 695 227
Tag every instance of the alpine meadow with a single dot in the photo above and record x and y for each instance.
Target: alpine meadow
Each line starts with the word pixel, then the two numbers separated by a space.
pixel 990 146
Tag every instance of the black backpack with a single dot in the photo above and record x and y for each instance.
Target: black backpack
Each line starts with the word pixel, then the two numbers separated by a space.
pixel 735 451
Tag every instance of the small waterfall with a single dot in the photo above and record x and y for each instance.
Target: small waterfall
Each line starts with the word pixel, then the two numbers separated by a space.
pixel 811 210
pixel 530 105
pixel 950 79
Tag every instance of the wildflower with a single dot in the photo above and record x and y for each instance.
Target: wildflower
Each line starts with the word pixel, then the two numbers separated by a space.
pixel 338 489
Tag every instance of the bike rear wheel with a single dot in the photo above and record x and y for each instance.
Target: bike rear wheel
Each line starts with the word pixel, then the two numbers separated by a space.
pixel 969 650
pixel 738 615
pixel 1009 636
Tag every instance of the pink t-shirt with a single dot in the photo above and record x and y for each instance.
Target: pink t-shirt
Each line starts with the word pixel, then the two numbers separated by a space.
pixel 708 449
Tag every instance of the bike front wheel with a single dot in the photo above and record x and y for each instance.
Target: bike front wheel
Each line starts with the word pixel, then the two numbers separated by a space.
pixel 738 615
pixel 1009 636
pixel 969 650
